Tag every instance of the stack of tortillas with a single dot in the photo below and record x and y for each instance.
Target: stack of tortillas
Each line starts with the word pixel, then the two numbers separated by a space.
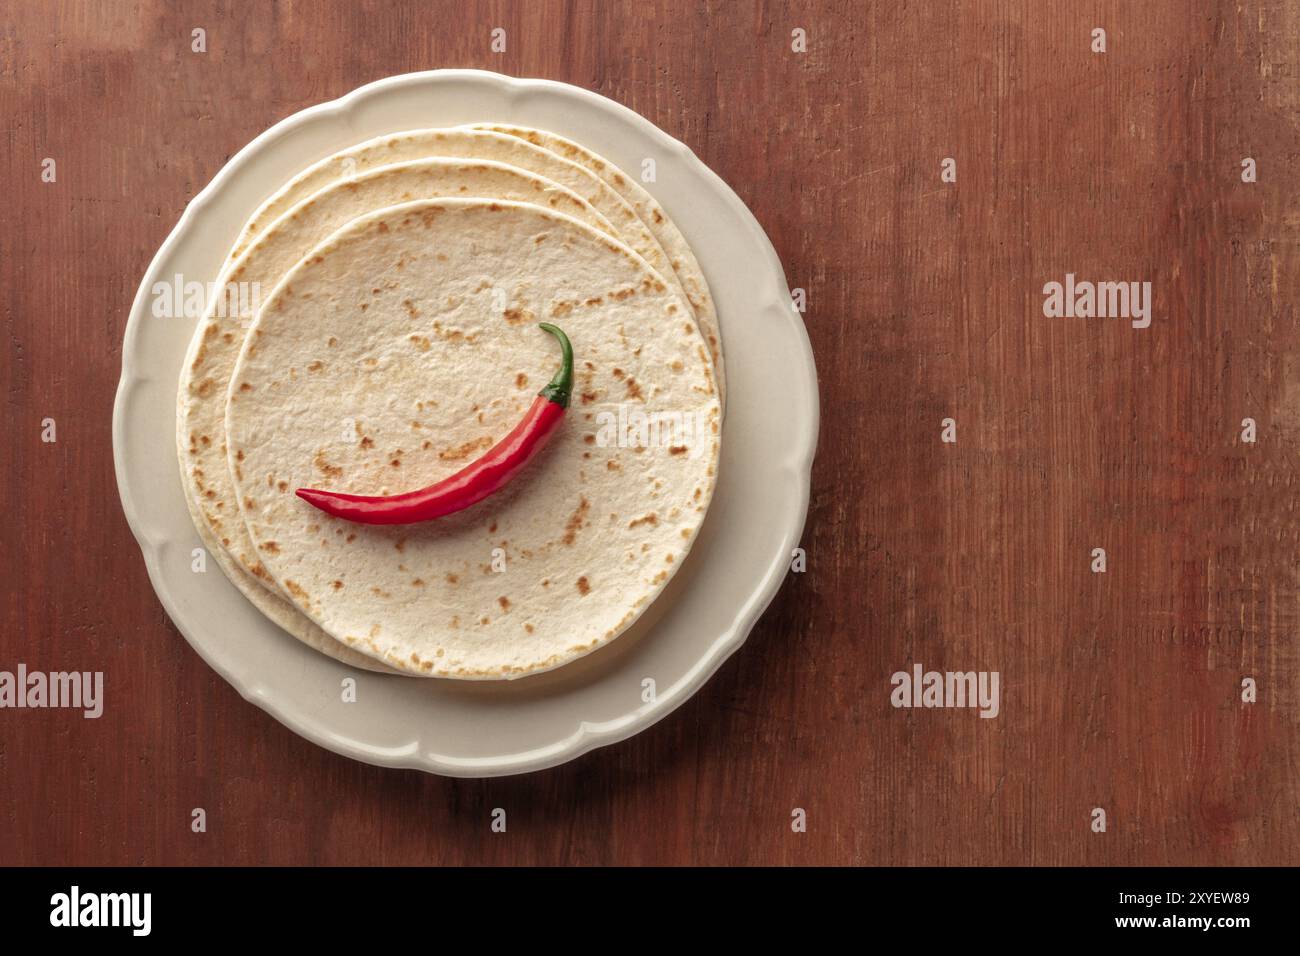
pixel 375 330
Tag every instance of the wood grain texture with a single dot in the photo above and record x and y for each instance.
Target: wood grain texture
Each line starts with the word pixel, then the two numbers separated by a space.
pixel 1119 690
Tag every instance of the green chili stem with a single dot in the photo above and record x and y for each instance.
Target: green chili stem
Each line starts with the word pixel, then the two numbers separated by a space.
pixel 560 388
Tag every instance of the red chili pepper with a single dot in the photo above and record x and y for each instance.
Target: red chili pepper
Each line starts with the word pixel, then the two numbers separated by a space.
pixel 476 480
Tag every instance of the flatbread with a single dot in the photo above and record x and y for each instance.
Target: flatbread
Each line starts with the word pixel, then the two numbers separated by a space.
pixel 383 362
pixel 206 375
pixel 634 214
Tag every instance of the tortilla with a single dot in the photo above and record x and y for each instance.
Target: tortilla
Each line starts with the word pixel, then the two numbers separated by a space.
pixel 215 347
pixel 681 259
pixel 636 217
pixel 383 363
pixel 460 144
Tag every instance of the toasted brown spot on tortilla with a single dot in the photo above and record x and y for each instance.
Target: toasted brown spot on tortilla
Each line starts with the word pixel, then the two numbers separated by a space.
pixel 618 295
pixel 504 602
pixel 400 544
pixel 460 452
pixel 452 335
pixel 367 441
pixel 452 579
pixel 677 450
pixel 651 519
pixel 396 463
pixel 589 439
pixel 351 537
pixel 337 585
pixel 332 471
pixel 521 380
pixel 418 583
pixel 271 547
pixel 315 366
pixel 589 397
pixel 332 341
pixel 529 628
pixel 295 589
pixel 576 520
pixel 204 388
pixel 584 587
pixel 634 390
pixel 613 465
pixel 516 316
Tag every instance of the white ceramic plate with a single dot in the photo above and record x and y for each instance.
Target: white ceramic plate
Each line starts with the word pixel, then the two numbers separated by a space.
pixel 733 571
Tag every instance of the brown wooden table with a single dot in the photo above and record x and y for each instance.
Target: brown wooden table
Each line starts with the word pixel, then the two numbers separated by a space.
pixel 1120 690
